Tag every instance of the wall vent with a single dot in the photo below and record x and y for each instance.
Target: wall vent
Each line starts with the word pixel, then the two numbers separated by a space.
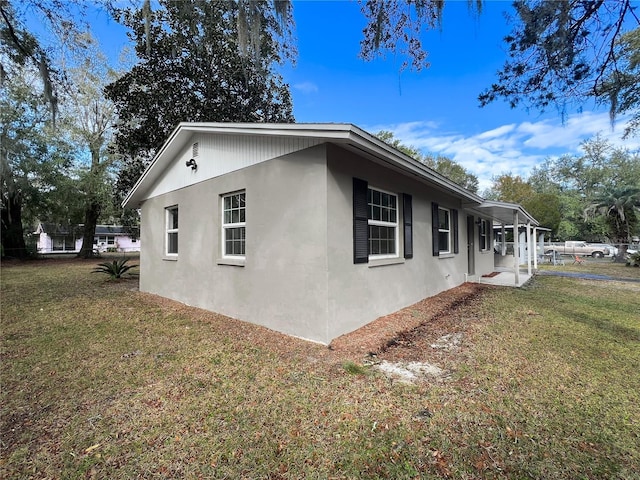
pixel 194 150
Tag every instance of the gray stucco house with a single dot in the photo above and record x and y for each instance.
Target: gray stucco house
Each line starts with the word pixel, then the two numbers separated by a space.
pixel 313 230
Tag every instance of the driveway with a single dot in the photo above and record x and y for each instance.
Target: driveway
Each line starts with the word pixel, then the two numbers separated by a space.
pixel 587 276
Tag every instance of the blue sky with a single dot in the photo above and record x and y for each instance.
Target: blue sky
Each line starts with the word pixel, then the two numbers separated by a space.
pixel 435 110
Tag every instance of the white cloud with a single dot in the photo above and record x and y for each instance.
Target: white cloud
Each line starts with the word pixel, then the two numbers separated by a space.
pixel 514 148
pixel 306 87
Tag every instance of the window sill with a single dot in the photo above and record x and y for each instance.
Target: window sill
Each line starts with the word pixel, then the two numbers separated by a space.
pixel 235 262
pixel 447 255
pixel 170 259
pixel 379 262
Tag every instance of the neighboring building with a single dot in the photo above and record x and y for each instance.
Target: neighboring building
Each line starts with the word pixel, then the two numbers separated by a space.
pixel 52 238
pixel 313 230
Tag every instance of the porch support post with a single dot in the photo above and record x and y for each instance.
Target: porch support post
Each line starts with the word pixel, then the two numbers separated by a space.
pixel 529 249
pixel 541 245
pixel 516 248
pixel 503 234
pixel 533 242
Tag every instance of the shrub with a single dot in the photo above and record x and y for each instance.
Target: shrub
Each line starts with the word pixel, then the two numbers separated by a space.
pixel 115 269
pixel 354 369
pixel 634 260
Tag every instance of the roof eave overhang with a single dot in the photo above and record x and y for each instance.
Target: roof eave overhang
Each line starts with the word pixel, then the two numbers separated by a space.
pixel 502 212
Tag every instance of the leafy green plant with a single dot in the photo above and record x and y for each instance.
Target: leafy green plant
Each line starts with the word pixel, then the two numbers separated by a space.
pixel 634 260
pixel 354 369
pixel 115 269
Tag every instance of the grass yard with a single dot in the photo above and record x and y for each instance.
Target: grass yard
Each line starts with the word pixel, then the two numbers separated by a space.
pixel 596 266
pixel 102 381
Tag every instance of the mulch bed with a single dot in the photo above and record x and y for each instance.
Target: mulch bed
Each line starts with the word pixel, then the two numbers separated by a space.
pixel 424 321
pixel 404 335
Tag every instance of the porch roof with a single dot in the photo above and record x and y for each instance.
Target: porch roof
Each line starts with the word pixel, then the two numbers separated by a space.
pixel 502 212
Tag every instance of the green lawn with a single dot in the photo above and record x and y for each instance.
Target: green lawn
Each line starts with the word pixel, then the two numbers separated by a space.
pixel 101 381
pixel 598 266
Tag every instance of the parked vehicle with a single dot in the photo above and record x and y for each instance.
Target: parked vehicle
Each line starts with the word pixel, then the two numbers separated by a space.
pixel 577 248
pixel 613 251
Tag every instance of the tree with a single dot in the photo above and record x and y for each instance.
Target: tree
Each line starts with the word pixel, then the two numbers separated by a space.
pixel 443 165
pixel 90 119
pixel 389 138
pixel 563 52
pixel 21 47
pixel 544 206
pixel 452 170
pixel 194 69
pixel 591 182
pixel 510 188
pixel 622 88
pixel 396 26
pixel 33 160
pixel 621 208
pixel 559 52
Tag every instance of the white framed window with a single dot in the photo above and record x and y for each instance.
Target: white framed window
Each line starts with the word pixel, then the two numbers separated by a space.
pixel 171 219
pixel 383 223
pixel 483 235
pixel 444 230
pixel 234 224
pixel 104 239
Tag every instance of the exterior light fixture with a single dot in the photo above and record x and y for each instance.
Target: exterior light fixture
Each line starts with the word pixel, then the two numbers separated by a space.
pixel 192 163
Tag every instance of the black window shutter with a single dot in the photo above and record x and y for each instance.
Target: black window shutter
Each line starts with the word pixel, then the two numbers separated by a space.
pixel 456 247
pixel 360 222
pixel 434 229
pixel 408 225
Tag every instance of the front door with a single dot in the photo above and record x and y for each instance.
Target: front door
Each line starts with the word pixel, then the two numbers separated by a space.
pixel 471 260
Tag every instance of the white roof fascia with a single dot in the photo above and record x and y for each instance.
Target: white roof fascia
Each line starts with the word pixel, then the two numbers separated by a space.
pixel 495 209
pixel 338 133
pixel 153 162
pixel 395 157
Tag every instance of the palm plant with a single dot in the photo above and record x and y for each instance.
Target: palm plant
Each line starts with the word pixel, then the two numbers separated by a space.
pixel 115 269
pixel 620 206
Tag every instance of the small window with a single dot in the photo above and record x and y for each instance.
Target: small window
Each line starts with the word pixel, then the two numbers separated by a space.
pixel 172 230
pixel 383 223
pixel 483 235
pixel 63 244
pixel 444 230
pixel 233 224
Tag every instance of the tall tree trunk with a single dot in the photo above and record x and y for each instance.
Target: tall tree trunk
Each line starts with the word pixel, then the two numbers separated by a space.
pixel 91 215
pixel 93 207
pixel 13 244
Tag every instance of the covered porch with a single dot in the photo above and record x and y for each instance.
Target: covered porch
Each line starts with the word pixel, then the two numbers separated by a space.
pixel 516 265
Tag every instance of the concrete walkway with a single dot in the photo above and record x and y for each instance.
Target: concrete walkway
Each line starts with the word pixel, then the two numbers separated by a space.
pixel 506 278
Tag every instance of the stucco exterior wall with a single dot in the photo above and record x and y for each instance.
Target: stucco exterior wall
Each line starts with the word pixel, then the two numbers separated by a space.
pixel 359 293
pixel 283 283
pixel 298 276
